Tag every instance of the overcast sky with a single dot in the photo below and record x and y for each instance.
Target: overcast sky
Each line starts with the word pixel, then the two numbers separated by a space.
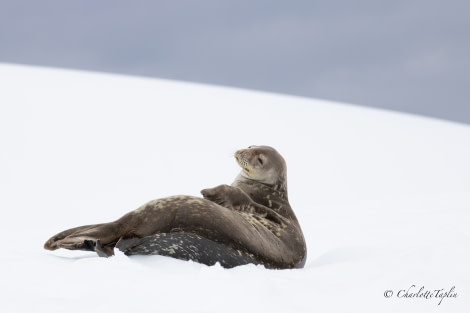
pixel 405 55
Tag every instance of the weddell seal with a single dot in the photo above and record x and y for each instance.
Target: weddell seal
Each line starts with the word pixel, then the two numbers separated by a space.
pixel 250 221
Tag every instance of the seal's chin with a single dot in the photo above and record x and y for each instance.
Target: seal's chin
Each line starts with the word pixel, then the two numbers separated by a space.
pixel 246 173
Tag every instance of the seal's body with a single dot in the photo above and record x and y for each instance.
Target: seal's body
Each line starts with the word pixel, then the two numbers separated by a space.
pixel 250 221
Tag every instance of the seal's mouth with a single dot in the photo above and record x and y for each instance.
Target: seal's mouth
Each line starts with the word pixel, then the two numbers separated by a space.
pixel 242 162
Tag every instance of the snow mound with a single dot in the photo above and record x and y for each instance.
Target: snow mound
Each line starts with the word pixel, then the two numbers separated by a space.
pixel 383 197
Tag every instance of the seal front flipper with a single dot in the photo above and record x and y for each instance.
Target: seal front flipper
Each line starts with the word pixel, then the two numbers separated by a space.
pixel 227 196
pixel 218 195
pixel 236 199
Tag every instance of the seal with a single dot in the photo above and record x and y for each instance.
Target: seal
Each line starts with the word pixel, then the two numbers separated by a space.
pixel 249 221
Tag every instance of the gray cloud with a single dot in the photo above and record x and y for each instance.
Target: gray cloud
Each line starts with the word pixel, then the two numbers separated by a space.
pixel 403 55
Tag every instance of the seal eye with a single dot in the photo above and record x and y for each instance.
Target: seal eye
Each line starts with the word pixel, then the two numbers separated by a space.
pixel 260 160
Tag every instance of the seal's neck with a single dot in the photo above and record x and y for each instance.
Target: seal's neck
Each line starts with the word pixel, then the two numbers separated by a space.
pixel 279 187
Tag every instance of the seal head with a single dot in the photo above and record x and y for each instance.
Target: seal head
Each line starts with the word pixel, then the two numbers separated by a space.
pixel 263 164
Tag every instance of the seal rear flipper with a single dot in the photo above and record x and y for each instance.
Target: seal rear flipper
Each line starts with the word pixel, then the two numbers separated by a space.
pixel 95 245
pixel 52 243
pixel 188 246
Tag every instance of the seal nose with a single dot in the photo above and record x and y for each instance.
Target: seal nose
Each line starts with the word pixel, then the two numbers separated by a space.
pixel 240 156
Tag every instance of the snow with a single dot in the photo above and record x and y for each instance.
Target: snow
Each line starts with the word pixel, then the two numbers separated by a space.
pixel 383 197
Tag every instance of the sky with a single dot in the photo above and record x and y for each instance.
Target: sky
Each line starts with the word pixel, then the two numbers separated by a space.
pixel 409 56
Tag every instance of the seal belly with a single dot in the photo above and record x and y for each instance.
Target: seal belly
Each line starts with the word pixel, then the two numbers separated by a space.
pixel 189 246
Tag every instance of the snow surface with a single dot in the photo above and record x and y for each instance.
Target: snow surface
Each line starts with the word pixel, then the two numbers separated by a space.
pixel 383 198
